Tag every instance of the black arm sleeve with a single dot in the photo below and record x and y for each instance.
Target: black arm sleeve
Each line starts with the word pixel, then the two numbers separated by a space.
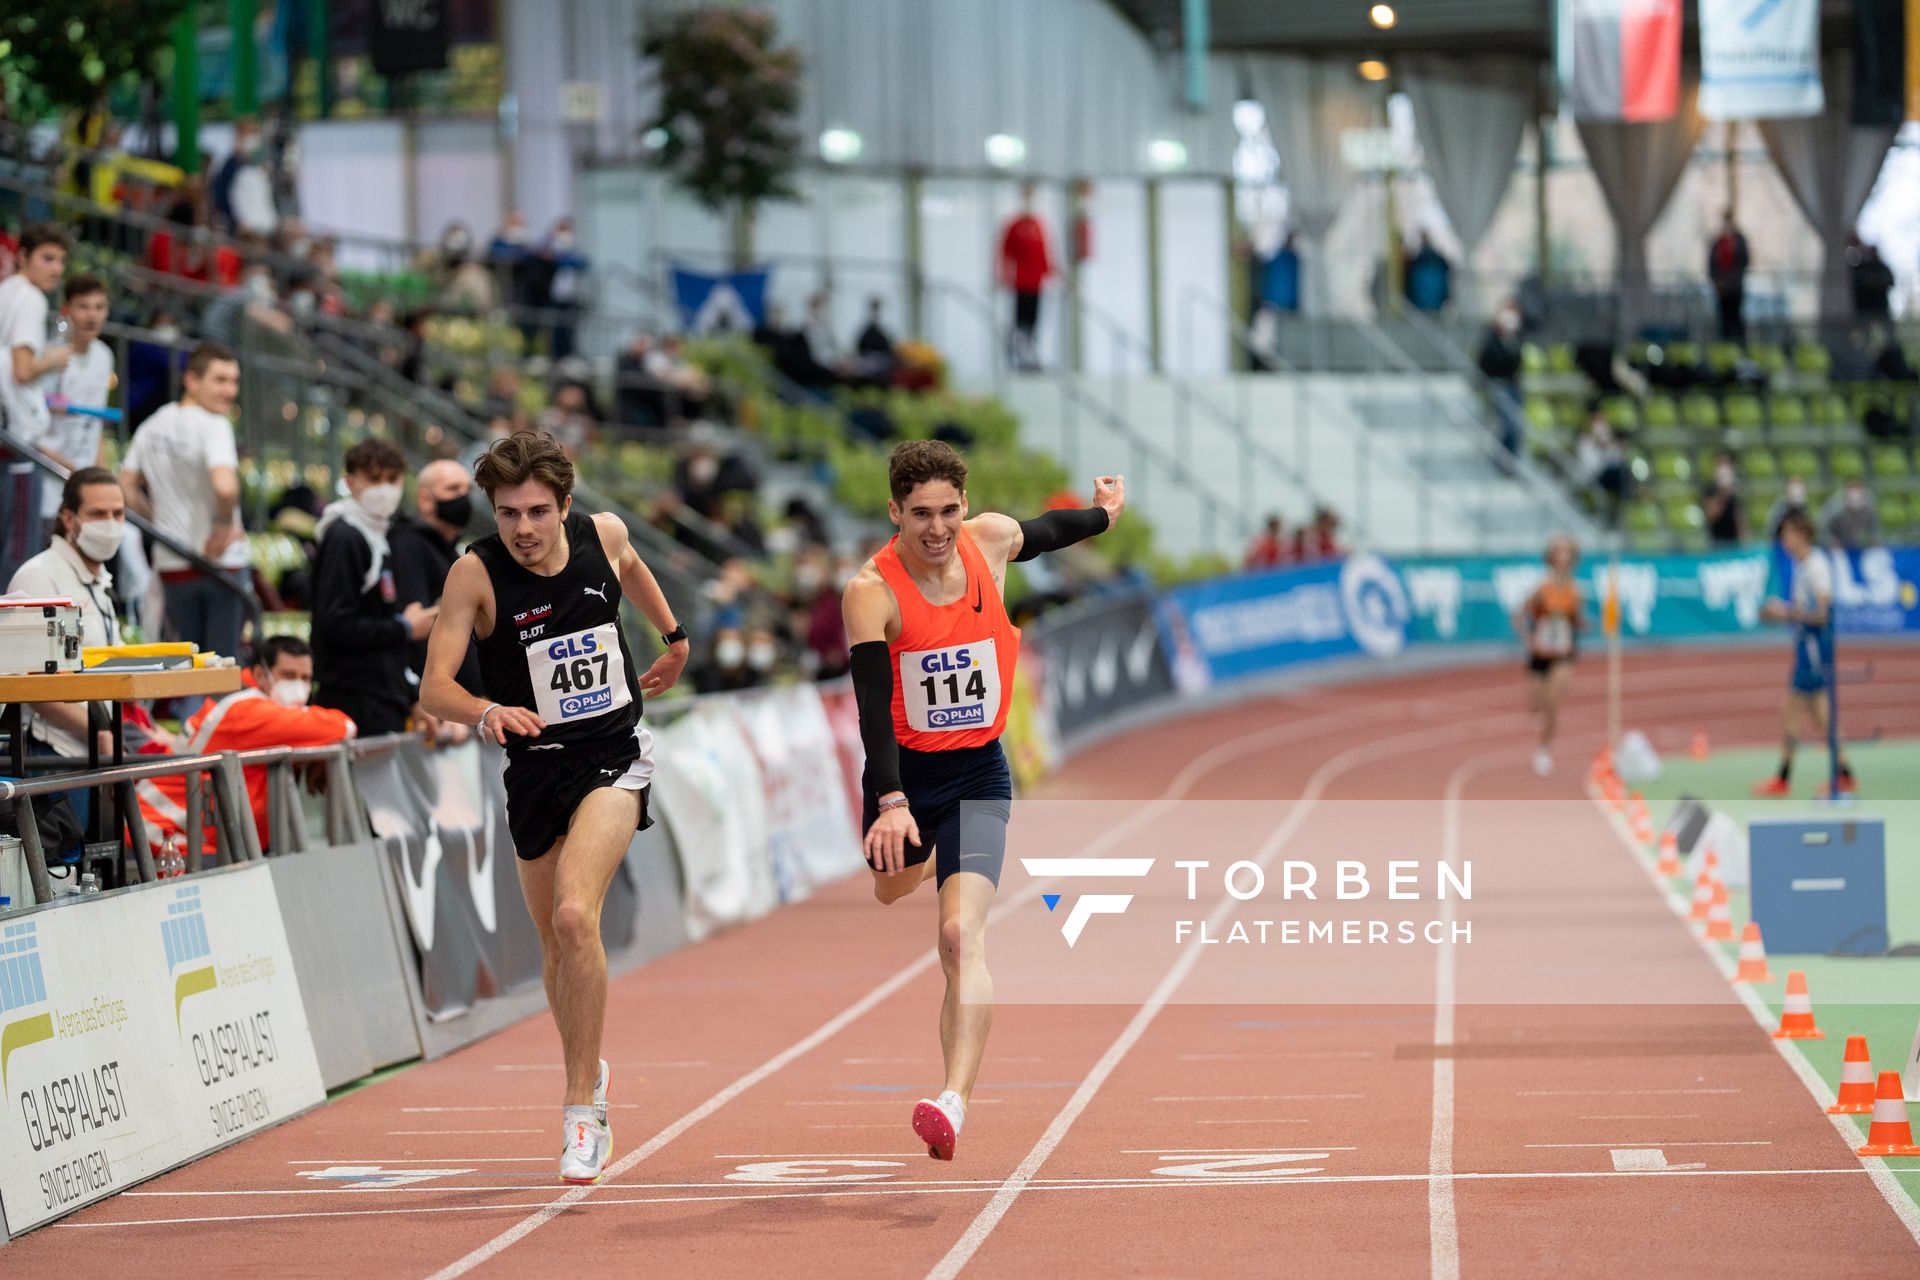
pixel 1057 529
pixel 873 695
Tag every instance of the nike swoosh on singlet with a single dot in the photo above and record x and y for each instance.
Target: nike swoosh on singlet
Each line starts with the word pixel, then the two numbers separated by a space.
pixel 978 598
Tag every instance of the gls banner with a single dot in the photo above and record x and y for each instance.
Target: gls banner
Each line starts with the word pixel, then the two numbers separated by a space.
pixel 1760 59
pixel 119 1061
pixel 1251 623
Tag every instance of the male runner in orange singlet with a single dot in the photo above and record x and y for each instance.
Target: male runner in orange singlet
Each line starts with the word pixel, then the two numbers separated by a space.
pixel 933 657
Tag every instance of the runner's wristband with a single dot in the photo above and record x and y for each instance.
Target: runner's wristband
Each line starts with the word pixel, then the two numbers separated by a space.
pixel 481 723
pixel 873 695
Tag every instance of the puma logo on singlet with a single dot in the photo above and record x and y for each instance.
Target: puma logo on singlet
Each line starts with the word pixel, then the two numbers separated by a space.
pixel 600 591
pixel 612 773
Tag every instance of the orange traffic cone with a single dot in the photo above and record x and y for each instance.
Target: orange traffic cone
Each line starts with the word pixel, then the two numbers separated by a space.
pixel 1856 1081
pixel 1889 1134
pixel 1719 915
pixel 1702 898
pixel 1699 751
pixel 1669 854
pixel 1796 1019
pixel 1753 957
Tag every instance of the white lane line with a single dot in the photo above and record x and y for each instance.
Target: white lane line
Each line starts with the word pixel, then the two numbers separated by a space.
pixel 1157 1184
pixel 527 1106
pixel 1260 1097
pixel 438 1133
pixel 1598 1093
pixel 387 1160
pixel 1264 1057
pixel 853 1126
pixel 877 1102
pixel 1750 1142
pixel 1253 1122
pixel 1678 1117
pixel 1214 1151
pixel 1443 1228
pixel 989 1217
pixel 1221 753
pixel 1904 1207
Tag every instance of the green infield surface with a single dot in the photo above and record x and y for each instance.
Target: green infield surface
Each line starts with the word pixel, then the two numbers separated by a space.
pixel 1877 997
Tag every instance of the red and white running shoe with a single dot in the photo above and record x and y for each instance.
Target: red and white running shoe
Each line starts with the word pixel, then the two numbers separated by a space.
pixel 937 1123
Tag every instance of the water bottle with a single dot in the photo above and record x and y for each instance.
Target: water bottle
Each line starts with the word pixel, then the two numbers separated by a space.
pixel 89 884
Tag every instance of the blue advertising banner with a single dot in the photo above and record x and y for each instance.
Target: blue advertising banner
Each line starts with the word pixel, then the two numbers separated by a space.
pixel 1249 624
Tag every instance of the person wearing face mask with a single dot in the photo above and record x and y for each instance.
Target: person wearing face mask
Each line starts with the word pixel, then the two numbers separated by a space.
pixel 563 285
pixel 270 709
pixel 1792 498
pixel 1500 365
pixel 362 629
pixel 424 546
pixel 728 672
pixel 92 517
pixel 1850 518
pixel 1720 504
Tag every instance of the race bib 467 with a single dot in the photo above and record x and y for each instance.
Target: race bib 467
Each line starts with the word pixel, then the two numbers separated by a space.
pixel 578 676
pixel 951 689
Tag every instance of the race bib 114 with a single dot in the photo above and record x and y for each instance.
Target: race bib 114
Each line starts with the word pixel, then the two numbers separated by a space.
pixel 951 689
pixel 578 676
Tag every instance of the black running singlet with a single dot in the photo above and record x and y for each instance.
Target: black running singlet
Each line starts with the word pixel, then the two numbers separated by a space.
pixel 557 647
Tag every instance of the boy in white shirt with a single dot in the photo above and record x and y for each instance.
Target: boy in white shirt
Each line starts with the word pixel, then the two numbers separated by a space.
pixel 84 384
pixel 182 472
pixel 25 359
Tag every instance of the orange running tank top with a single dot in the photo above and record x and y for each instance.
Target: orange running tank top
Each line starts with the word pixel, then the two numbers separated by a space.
pixel 1556 613
pixel 953 663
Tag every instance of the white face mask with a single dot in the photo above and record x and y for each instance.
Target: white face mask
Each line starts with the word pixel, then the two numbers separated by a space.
pixel 1724 474
pixel 380 500
pixel 1857 499
pixel 167 332
pixel 260 288
pixel 99 540
pixel 291 693
pixel 761 657
pixel 1797 494
pixel 729 653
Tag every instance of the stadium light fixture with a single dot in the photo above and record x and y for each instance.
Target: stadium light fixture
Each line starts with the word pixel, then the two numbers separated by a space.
pixel 840 146
pixel 1382 16
pixel 1006 151
pixel 1373 69
pixel 1167 154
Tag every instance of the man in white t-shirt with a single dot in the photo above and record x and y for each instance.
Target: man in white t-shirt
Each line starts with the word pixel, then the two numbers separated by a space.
pixel 83 385
pixel 182 472
pixel 25 359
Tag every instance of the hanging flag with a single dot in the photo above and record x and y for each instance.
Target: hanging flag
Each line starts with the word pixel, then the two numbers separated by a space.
pixel 1880 61
pixel 1913 59
pixel 1760 59
pixel 734 302
pixel 1620 59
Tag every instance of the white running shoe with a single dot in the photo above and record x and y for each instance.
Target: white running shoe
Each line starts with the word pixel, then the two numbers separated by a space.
pixel 1543 762
pixel 588 1144
pixel 937 1121
pixel 600 1084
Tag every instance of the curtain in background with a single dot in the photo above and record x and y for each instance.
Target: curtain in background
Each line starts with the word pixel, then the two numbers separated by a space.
pixel 1309 105
pixel 1471 112
pixel 1638 166
pixel 1830 164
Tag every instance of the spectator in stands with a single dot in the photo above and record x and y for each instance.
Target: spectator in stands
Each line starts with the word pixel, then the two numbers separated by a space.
pixel 1321 539
pixel 1727 262
pixel 1270 548
pixel 874 341
pixel 689 390
pixel 1720 504
pixel 1850 519
pixel 726 671
pixel 1603 464
pixel 1500 365
pixel 1025 266
pixel 817 616
pixel 461 281
pixel 85 384
pixel 92 519
pixel 518 274
pixel 269 710
pixel 824 342
pixel 362 631
pixel 1892 365
pixel 1429 277
pixel 154 368
pixel 563 279
pixel 423 548
pixel 569 417
pixel 29 357
pixel 1872 281
pixel 1792 498
pixel 255 301
pixel 1280 279
pixel 182 472
pixel 242 191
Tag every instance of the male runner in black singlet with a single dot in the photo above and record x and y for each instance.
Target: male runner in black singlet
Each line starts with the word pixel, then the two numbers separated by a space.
pixel 542 599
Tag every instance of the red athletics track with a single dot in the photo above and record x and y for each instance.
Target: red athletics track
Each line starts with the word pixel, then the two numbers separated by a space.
pixel 763 1079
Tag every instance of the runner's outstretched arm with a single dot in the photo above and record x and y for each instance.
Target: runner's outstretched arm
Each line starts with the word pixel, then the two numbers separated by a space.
pixel 1056 529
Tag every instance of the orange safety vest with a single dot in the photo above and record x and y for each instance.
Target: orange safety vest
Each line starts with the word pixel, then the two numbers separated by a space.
pixel 954 662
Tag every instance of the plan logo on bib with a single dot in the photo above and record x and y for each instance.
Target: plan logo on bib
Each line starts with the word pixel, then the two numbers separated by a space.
pixel 23 992
pixel 1375 604
pixel 189 953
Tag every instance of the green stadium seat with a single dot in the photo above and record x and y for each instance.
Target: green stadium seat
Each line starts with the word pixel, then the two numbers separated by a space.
pixel 1844 462
pixel 1560 358
pixel 1811 358
pixel 1532 358
pixel 1758 507
pixel 1786 411
pixel 1723 356
pixel 1540 414
pixel 1671 465
pixel 1758 464
pixel 1701 411
pixel 1646 529
pixel 1661 412
pixel 1890 462
pixel 1896 513
pixel 1622 412
pixel 1800 461
pixel 1771 358
pixel 1683 354
pixel 1744 412
pixel 1828 410
pixel 1571 411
